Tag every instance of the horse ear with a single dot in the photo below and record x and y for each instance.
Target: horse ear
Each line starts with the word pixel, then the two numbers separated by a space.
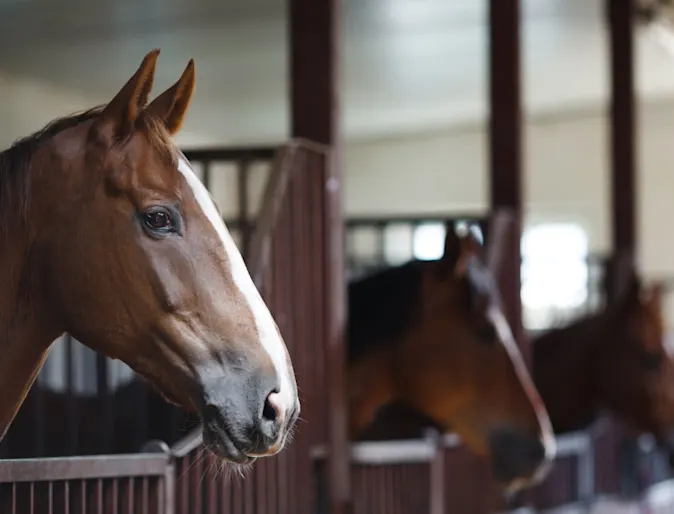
pixel 123 110
pixel 452 249
pixel 172 104
pixel 458 248
pixel 498 237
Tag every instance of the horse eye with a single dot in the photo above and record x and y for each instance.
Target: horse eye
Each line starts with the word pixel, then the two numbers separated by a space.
pixel 159 220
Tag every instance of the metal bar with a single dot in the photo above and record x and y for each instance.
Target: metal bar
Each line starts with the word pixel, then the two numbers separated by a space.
pixel 623 126
pixel 437 475
pixel 76 468
pixel 505 141
pixel 106 420
pixel 72 414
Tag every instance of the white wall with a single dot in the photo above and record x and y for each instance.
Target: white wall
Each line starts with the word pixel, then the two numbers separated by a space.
pixel 566 169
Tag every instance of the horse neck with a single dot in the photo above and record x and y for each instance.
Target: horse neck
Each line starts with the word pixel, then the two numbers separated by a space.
pixel 566 363
pixel 24 338
pixel 26 328
pixel 381 309
pixel 370 386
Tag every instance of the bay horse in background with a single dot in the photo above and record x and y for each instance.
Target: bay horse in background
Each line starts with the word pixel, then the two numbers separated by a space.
pixel 108 234
pixel 432 335
pixel 617 361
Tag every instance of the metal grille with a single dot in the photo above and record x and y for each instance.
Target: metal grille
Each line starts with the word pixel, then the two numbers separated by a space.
pixel 129 484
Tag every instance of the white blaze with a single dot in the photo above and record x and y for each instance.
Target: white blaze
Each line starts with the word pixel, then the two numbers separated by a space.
pixel 266 327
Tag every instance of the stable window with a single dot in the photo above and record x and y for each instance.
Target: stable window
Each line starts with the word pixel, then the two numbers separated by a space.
pixel 554 273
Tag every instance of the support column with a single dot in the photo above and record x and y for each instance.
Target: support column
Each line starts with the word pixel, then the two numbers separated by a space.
pixel 622 141
pixel 314 58
pixel 505 147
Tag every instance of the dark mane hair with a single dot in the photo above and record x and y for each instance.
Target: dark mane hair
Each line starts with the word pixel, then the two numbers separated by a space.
pixel 15 162
pixel 382 307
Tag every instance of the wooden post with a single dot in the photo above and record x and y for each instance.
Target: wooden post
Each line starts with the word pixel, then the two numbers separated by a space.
pixel 623 173
pixel 505 147
pixel 315 115
pixel 622 141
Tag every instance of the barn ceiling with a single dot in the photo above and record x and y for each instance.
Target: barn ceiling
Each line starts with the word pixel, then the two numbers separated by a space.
pixel 408 65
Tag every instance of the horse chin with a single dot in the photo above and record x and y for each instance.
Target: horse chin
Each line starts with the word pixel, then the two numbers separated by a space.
pixel 219 444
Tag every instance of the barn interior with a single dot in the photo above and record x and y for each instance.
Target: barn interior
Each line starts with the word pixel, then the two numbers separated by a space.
pixel 346 144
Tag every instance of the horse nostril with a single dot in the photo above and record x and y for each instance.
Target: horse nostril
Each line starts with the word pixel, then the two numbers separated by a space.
pixel 274 410
pixel 269 412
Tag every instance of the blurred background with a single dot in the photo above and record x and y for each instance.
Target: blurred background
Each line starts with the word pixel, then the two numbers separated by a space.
pixel 414 118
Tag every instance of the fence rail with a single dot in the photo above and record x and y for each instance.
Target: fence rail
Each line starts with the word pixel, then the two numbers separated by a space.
pixel 141 483
pixel 414 473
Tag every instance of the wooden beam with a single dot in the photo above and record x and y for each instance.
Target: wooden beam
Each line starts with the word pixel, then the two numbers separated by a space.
pixel 622 139
pixel 314 98
pixel 505 147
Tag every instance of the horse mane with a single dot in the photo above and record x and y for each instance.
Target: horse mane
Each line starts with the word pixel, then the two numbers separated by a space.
pixel 382 307
pixel 15 161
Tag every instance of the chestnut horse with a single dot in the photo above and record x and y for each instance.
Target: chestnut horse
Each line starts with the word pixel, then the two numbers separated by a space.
pixel 108 234
pixel 432 335
pixel 616 361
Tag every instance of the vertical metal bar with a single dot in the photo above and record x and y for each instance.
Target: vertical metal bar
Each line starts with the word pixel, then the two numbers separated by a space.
pixel 586 472
pixel 623 126
pixel 106 420
pixel 130 500
pixel 505 140
pixel 115 496
pixel 196 474
pixel 66 494
pixel 83 495
pixel 39 424
pixel 72 417
pixel 437 474
pixel 169 498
